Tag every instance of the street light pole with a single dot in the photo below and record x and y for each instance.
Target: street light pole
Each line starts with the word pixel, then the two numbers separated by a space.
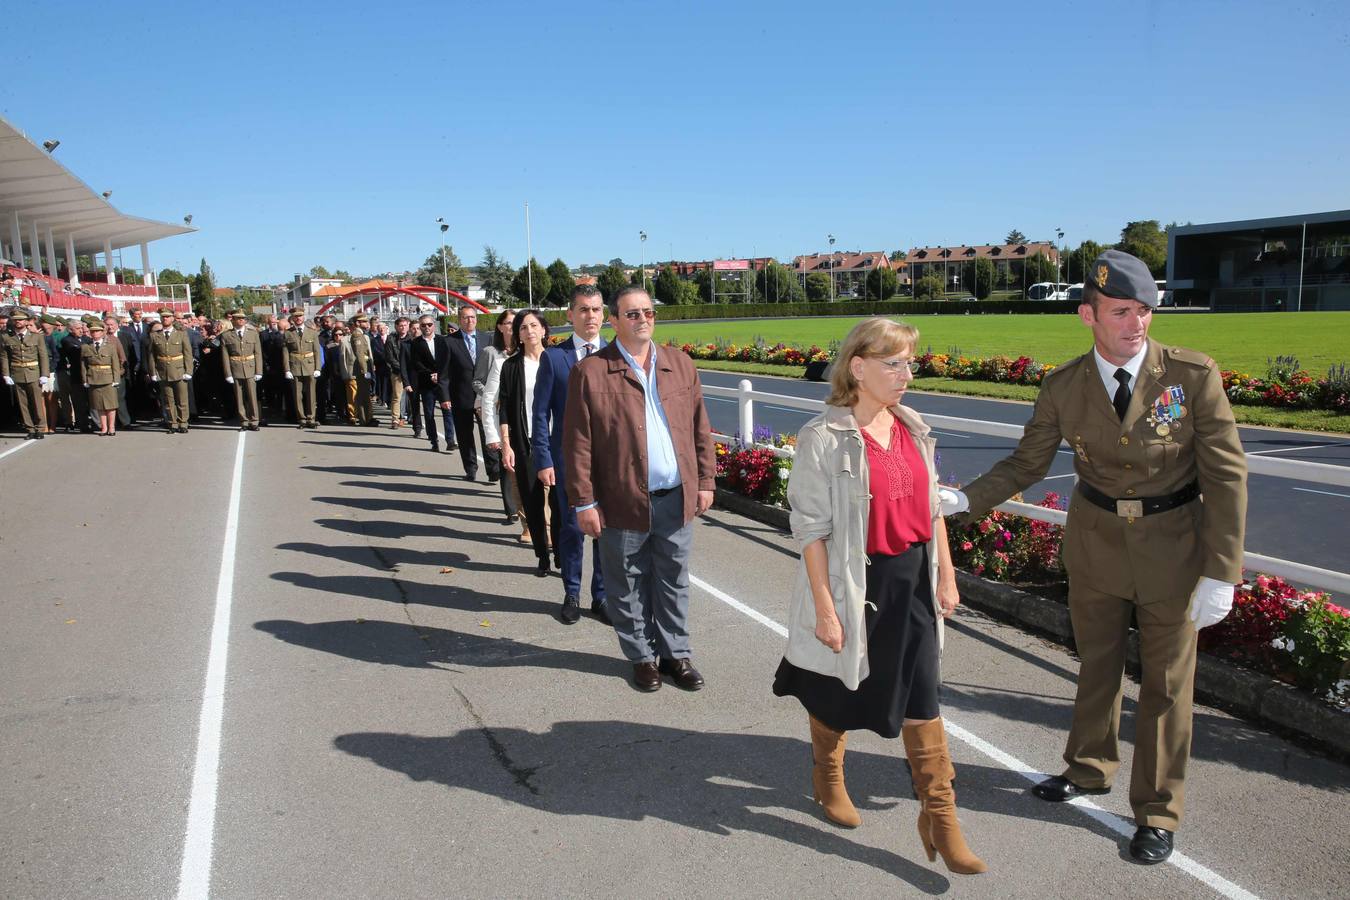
pixel 1059 256
pixel 642 258
pixel 445 269
pixel 831 240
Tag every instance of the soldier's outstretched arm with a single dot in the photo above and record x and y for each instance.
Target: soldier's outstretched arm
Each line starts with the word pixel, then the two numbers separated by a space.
pixel 1026 465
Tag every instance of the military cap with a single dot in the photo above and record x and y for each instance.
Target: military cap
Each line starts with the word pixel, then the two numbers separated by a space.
pixel 96 325
pixel 360 317
pixel 1125 277
pixel 165 311
pixel 20 315
pixel 236 314
pixel 49 319
pixel 297 311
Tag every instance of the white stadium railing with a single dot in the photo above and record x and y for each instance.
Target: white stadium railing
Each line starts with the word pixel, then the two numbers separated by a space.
pixel 745 396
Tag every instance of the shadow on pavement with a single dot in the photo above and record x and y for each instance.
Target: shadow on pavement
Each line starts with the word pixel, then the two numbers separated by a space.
pixel 711 520
pixel 400 530
pixel 398 590
pixel 373 471
pixel 386 558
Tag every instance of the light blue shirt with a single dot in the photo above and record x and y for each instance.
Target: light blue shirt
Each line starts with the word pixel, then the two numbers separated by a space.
pixel 662 469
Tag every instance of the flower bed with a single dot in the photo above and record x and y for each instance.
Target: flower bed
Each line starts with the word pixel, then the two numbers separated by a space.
pixel 756 472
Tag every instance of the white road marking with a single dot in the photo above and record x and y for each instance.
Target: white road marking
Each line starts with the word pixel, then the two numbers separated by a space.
pixel 1328 493
pixel 1053 477
pixel 194 878
pixel 1109 819
pixel 1295 449
pixel 17 448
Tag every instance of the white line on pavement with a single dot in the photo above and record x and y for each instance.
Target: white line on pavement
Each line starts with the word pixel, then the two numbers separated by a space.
pixel 17 448
pixel 1109 819
pixel 194 878
pixel 1328 493
pixel 1053 477
pixel 1295 449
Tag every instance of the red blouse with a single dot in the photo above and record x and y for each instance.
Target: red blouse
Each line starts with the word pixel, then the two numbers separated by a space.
pixel 899 512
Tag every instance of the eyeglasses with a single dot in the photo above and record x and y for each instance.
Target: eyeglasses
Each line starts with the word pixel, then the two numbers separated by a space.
pixel 896 366
pixel 634 314
pixel 427 324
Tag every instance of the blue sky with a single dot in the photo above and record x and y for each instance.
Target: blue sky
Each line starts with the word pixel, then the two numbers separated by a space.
pixel 335 133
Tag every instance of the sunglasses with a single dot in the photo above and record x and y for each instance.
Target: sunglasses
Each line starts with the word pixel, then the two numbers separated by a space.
pixel 634 314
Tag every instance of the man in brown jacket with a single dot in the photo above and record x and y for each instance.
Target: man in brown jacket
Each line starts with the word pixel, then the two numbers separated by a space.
pixel 169 358
pixel 1155 532
pixel 241 356
pixel 26 367
pixel 641 465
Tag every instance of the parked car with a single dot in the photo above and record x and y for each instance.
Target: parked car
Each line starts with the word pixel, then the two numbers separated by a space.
pixel 1048 290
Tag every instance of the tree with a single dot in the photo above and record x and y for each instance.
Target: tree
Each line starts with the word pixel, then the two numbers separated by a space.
pixel 1015 237
pixel 930 287
pixel 496 273
pixel 881 284
pixel 776 283
pixel 1080 259
pixel 618 263
pixel 666 288
pixel 455 276
pixel 531 280
pixel 560 284
pixel 204 300
pixel 344 276
pixel 817 287
pixel 898 256
pixel 1146 240
pixel 319 272
pixel 984 278
pixel 1038 268
pixel 171 276
pixel 703 284
pixel 611 281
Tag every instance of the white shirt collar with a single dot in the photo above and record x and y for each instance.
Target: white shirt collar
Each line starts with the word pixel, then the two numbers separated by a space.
pixel 1107 370
pixel 579 343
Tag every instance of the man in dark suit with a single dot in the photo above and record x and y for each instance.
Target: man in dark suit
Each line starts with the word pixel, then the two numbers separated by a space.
pixel 132 337
pixel 585 314
pixel 463 347
pixel 429 359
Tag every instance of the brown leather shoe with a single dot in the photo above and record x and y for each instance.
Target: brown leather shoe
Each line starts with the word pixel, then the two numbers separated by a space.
pixel 646 677
pixel 683 673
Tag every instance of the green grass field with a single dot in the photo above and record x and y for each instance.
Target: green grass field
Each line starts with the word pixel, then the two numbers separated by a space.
pixel 1242 341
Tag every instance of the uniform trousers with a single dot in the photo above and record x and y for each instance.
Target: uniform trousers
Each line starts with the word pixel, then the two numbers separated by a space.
pixel 647 581
pixel 246 400
pixel 32 408
pixel 1162 742
pixel 306 406
pixel 360 402
pixel 174 397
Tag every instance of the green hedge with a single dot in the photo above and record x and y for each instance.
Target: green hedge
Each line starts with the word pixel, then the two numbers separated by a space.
pixel 848 308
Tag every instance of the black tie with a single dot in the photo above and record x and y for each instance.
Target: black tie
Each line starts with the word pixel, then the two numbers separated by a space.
pixel 1122 399
pixel 589 349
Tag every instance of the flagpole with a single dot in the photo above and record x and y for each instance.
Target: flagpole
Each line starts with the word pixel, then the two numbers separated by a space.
pixel 529 257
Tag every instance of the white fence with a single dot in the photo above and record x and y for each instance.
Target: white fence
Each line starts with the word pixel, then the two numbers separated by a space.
pixel 1320 473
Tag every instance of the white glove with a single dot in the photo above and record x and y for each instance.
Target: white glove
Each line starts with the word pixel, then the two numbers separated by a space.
pixel 369 377
pixel 229 379
pixel 9 381
pixel 257 378
pixel 290 377
pixel 316 374
pixel 86 384
pixel 154 378
pixel 42 380
pixel 49 386
pixel 953 501
pixel 187 377
pixel 116 383
pixel 1211 602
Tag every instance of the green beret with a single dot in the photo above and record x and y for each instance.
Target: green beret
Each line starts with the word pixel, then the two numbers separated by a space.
pixel 236 313
pixel 165 311
pixel 1122 276
pixel 96 325
pixel 20 315
pixel 49 319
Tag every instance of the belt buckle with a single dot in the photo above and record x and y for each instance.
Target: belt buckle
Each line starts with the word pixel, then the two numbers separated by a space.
pixel 1130 509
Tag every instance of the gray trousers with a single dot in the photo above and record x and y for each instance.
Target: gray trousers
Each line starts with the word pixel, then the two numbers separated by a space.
pixel 647 582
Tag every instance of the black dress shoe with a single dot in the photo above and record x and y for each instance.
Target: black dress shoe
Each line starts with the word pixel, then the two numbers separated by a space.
pixel 646 677
pixel 571 610
pixel 1057 789
pixel 598 610
pixel 683 673
pixel 435 448
pixel 542 571
pixel 1150 846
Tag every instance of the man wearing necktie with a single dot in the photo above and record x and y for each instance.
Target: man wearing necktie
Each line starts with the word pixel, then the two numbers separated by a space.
pixel 241 357
pixel 586 313
pixel 1152 434
pixel 463 347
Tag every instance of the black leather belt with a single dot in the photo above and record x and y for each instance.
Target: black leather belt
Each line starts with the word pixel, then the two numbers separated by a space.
pixel 1134 507
pixel 664 491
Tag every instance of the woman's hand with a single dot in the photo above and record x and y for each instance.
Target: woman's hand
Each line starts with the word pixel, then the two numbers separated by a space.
pixel 829 632
pixel 947 596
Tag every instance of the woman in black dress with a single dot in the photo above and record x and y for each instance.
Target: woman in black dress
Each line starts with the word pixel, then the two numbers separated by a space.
pixel 516 401
pixel 876 581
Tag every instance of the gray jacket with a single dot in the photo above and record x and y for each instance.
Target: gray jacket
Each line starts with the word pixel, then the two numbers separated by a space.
pixel 829 494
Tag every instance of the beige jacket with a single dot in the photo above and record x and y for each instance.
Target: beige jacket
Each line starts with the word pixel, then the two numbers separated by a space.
pixel 829 494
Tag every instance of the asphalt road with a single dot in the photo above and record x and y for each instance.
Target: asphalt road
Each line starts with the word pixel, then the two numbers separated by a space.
pixel 404 716
pixel 1286 519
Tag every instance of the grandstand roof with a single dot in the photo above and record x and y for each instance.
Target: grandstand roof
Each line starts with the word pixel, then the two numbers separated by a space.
pixel 40 189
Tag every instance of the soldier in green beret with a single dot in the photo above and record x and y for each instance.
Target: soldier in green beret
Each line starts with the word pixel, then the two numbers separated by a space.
pixel 25 366
pixel 1152 434
pixel 101 369
pixel 241 355
pixel 170 366
pixel 361 407
pixel 300 358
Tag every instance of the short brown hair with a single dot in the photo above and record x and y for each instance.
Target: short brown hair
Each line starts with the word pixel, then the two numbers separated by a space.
pixel 870 339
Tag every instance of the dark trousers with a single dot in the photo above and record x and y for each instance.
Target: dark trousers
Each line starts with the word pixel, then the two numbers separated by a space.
pixel 532 499
pixel 465 419
pixel 571 544
pixel 430 399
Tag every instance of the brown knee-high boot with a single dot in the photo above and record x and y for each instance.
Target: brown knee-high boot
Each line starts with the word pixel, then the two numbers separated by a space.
pixel 926 747
pixel 827 774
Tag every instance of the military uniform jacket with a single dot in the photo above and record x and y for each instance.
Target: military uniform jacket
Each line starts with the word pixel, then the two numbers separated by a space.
pixel 361 353
pixel 101 366
pixel 1159 556
pixel 170 355
pixel 241 357
pixel 23 357
pixel 300 352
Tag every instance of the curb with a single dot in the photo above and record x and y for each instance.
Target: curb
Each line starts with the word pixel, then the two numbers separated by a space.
pixel 1249 695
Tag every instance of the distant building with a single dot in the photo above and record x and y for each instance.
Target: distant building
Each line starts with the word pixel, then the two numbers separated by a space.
pixel 847 268
pixel 949 261
pixel 304 289
pixel 687 270
pixel 1281 263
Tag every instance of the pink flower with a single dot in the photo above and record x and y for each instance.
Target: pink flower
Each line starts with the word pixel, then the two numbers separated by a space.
pixel 967 545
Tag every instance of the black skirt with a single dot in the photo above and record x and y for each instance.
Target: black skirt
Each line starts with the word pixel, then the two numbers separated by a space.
pixel 902 655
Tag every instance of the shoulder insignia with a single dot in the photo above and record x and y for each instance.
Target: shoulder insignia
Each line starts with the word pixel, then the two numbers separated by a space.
pixel 1193 357
pixel 1069 366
